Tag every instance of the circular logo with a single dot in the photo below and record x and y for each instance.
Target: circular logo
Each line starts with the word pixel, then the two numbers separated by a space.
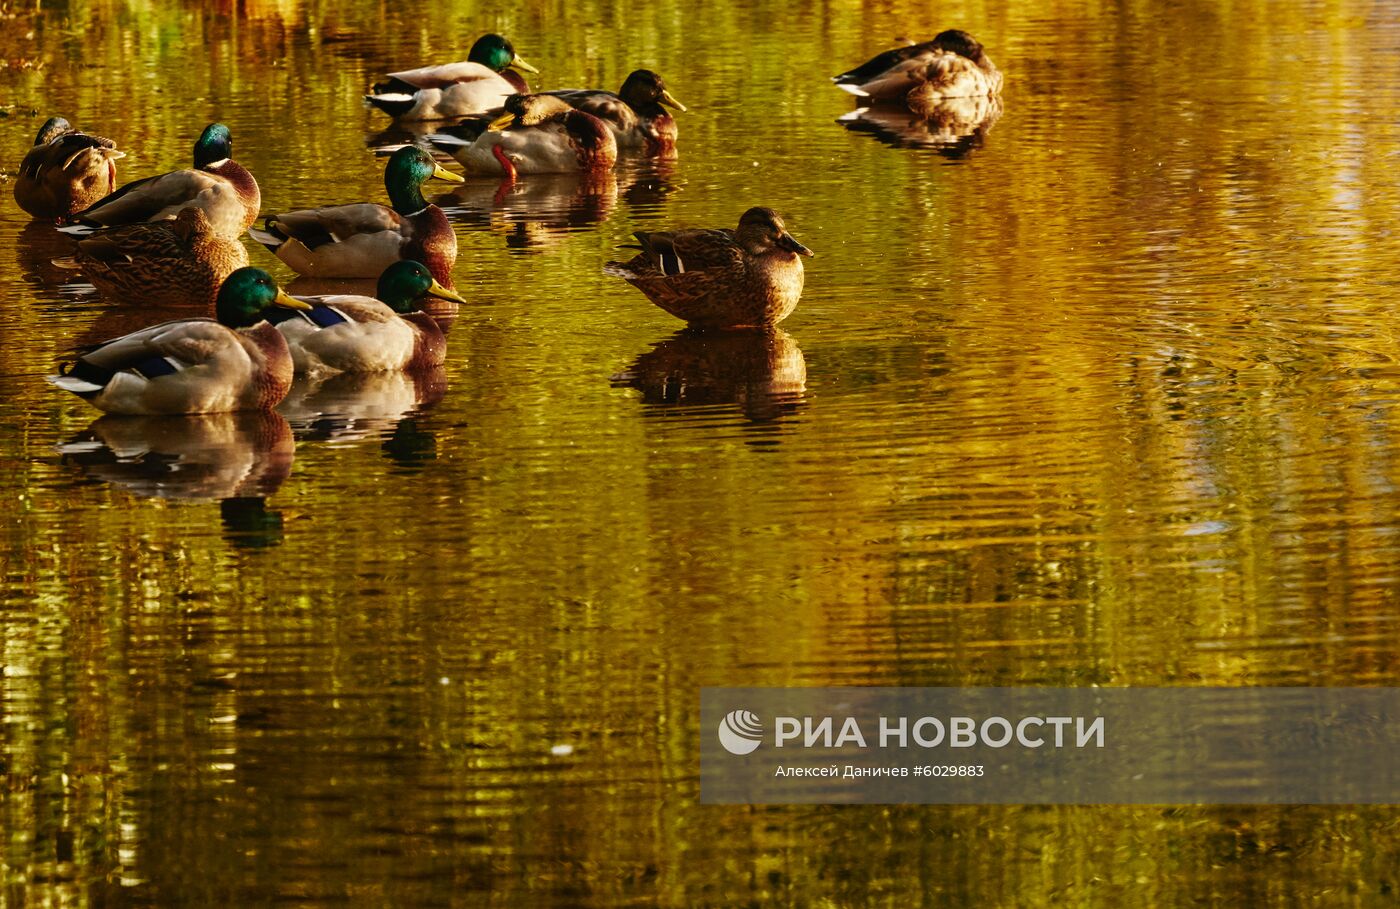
pixel 740 732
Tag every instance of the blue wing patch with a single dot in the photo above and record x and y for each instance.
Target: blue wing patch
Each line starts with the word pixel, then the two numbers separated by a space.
pixel 326 316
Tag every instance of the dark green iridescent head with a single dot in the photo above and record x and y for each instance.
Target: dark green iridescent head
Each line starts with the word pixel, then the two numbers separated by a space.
pixel 244 296
pixel 404 284
pixel 493 52
pixel 52 129
pixel 215 144
pixel 404 175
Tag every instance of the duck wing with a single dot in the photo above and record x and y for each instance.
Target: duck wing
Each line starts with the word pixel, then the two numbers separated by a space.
pixel 161 197
pixel 675 253
pixel 316 227
pixel 881 63
pixel 606 106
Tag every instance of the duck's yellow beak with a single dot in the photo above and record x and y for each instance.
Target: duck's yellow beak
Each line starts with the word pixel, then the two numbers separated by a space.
pixel 442 173
pixel 669 100
pixel 518 64
pixel 501 122
pixel 437 290
pixel 287 301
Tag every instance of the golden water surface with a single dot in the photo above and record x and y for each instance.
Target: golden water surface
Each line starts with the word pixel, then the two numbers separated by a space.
pixel 1103 393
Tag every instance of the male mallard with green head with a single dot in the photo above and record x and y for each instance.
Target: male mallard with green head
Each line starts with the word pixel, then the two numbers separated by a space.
pixel 534 134
pixel 637 114
pixel 161 263
pixel 490 74
pixel 220 186
pixel 952 65
pixel 66 171
pixel 362 239
pixel 750 277
pixel 238 361
pixel 351 333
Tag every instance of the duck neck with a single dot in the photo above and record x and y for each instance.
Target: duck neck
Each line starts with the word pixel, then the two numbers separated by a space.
pixel 406 197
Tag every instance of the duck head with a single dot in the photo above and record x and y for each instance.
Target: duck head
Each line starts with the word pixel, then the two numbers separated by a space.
pixel 643 88
pixel 761 230
pixel 214 146
pixel 246 294
pixel 528 110
pixel 497 54
pixel 404 284
pixel 408 169
pixel 961 43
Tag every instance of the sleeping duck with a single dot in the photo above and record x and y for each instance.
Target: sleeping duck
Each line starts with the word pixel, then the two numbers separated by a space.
pixel 220 186
pixel 720 279
pixel 489 75
pixel 235 362
pixel 350 333
pixel 952 65
pixel 362 239
pixel 635 114
pixel 66 171
pixel 534 134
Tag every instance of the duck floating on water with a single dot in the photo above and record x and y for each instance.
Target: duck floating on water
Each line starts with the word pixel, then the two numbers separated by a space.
pixel 490 74
pixel 636 114
pixel 952 65
pixel 66 171
pixel 750 277
pixel 533 134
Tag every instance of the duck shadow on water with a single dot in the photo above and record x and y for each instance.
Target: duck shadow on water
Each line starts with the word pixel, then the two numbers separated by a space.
pixel 762 372
pixel 348 408
pixel 953 127
pixel 237 459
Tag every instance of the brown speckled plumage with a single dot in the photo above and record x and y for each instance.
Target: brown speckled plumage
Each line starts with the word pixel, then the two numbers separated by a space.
pixel 721 279
pixel 65 171
pixel 161 263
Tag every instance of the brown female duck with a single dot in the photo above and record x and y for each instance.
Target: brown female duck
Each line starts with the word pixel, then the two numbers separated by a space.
pixel 65 171
pixel 722 279
pixel 636 114
pixel 952 65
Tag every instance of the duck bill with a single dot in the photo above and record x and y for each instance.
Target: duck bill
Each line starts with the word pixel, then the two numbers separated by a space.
pixel 442 173
pixel 669 100
pixel 437 290
pixel 787 242
pixel 521 66
pixel 287 301
pixel 501 122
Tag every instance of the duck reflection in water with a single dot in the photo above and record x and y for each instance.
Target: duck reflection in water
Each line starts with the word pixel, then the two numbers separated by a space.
pixel 763 372
pixel 238 458
pixel 953 127
pixel 348 407
pixel 36 248
pixel 537 211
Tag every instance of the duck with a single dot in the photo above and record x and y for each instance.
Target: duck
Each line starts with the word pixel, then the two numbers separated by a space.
pixel 750 277
pixel 490 74
pixel 635 114
pixel 532 134
pixel 351 333
pixel 236 361
pixel 220 186
pixel 362 239
pixel 952 65
pixel 182 262
pixel 66 171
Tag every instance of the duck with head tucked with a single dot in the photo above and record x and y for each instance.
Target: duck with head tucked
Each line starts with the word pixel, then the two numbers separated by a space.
pixel 533 134
pixel 362 239
pixel 351 333
pixel 637 114
pixel 220 186
pixel 66 171
pixel 238 361
pixel 952 65
pixel 181 262
pixel 750 277
pixel 490 74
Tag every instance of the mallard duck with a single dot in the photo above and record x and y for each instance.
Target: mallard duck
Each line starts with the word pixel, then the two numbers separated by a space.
pixel 745 278
pixel 952 65
pixel 349 333
pixel 65 171
pixel 635 114
pixel 482 83
pixel 534 134
pixel 237 362
pixel 161 263
pixel 362 239
pixel 226 192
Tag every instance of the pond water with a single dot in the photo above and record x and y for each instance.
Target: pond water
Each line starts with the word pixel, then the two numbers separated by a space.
pixel 1107 393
